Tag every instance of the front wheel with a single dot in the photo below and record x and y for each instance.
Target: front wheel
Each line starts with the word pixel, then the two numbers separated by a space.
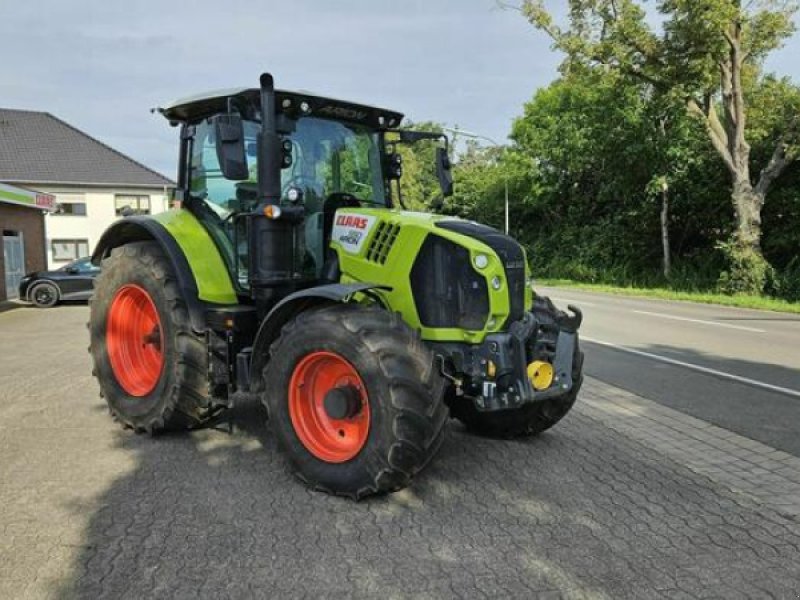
pixel 354 399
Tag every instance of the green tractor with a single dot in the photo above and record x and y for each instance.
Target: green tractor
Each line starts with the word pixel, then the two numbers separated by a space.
pixel 291 273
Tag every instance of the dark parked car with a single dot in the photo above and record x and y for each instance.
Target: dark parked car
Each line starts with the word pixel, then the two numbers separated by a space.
pixel 71 282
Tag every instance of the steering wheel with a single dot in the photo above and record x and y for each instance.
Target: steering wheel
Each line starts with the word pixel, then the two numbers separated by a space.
pixel 300 181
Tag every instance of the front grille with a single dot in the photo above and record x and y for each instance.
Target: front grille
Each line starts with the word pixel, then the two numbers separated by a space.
pixel 447 291
pixel 381 245
pixel 509 252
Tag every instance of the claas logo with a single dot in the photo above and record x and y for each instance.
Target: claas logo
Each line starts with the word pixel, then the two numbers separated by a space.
pixel 352 221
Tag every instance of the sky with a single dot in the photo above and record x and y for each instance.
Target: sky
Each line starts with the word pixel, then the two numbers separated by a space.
pixel 101 65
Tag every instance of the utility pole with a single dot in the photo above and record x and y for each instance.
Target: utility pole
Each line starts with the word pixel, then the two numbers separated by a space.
pixel 486 138
pixel 667 266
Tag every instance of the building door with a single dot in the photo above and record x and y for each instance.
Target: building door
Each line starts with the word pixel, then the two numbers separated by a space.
pixel 14 257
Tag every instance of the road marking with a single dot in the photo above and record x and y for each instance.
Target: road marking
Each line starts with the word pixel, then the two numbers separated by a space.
pixel 577 303
pixel 701 321
pixel 698 368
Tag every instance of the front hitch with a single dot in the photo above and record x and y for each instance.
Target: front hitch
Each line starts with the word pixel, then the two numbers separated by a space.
pixel 505 371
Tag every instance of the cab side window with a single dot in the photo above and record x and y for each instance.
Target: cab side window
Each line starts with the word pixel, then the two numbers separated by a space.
pixel 206 181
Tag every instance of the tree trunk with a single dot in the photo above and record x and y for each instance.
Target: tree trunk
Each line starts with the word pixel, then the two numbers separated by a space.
pixel 747 204
pixel 665 231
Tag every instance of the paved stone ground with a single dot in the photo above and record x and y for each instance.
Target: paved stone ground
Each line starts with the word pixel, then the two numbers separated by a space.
pixel 593 509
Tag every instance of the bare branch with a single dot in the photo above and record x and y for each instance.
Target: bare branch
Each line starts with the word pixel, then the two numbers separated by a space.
pixel 729 39
pixel 780 159
pixel 718 137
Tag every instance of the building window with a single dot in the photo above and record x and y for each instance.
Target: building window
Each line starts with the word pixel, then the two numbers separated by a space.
pixel 67 250
pixel 77 209
pixel 126 206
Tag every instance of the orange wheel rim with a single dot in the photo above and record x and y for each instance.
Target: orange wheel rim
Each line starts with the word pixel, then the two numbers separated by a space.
pixel 135 340
pixel 333 440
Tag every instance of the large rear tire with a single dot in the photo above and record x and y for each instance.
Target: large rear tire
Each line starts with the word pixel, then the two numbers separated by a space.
pixel 150 364
pixel 354 399
pixel 530 419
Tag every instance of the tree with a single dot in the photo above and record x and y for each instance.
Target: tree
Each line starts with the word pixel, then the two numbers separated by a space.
pixel 704 56
pixel 480 174
pixel 419 184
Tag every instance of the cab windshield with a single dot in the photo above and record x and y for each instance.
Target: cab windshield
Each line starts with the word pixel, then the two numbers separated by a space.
pixel 327 157
pixel 331 156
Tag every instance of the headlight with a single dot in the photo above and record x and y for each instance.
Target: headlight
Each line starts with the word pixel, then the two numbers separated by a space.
pixel 496 282
pixel 481 261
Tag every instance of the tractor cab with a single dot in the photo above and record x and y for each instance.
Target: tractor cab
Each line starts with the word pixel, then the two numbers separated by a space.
pixel 323 155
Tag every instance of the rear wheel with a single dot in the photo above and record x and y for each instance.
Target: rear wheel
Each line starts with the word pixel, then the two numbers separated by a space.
pixel 354 399
pixel 150 364
pixel 530 419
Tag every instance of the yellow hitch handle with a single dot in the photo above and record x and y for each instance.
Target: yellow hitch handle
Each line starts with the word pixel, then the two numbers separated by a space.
pixel 541 374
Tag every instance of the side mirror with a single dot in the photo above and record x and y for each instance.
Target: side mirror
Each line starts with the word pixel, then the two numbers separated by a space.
pixel 443 172
pixel 229 136
pixel 72 270
pixel 394 165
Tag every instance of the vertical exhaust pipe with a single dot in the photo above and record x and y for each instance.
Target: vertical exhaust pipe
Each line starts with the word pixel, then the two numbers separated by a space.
pixel 271 240
pixel 269 146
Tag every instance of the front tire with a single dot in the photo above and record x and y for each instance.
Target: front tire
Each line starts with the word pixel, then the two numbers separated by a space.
pixel 150 364
pixel 531 419
pixel 354 399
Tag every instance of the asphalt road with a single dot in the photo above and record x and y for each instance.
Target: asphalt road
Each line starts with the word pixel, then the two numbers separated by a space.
pixel 736 368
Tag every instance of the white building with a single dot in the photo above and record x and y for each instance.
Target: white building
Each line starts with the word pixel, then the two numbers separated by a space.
pixel 93 184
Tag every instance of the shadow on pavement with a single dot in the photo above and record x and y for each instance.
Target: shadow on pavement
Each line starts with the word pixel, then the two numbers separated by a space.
pixel 579 510
pixel 7 305
pixel 216 514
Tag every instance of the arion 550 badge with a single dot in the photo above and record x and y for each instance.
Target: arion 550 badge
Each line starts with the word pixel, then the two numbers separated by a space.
pixel 350 230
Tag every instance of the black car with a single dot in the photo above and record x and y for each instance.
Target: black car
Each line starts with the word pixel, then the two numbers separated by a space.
pixel 71 282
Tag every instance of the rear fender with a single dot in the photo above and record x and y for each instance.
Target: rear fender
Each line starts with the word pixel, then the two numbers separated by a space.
pixel 200 271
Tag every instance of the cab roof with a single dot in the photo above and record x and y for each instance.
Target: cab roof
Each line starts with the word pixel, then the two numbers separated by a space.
pixel 195 108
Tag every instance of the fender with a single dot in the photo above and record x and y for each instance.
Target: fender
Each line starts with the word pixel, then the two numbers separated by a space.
pixel 200 271
pixel 285 310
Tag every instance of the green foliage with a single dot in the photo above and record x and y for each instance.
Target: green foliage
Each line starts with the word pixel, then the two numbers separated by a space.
pixel 589 156
pixel 774 110
pixel 705 56
pixel 786 283
pixel 419 185
pixel 686 55
pixel 746 271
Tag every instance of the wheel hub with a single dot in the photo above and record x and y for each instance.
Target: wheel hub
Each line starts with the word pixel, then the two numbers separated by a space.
pixel 153 338
pixel 43 294
pixel 342 402
pixel 329 407
pixel 134 340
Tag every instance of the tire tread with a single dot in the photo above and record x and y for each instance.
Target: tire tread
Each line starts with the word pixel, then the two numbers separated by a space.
pixel 186 404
